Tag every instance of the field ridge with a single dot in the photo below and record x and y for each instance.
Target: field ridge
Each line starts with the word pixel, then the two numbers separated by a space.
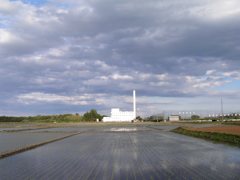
pixel 32 146
pixel 232 139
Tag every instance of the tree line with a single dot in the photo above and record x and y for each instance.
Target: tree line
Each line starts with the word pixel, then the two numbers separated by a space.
pixel 157 118
pixel 90 116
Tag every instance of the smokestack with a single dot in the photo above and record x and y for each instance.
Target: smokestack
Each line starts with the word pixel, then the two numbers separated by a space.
pixel 134 104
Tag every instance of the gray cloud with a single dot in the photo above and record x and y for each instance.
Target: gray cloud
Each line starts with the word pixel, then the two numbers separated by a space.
pixel 161 49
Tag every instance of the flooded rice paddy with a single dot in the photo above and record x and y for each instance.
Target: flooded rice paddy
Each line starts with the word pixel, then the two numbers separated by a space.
pixel 84 129
pixel 126 155
pixel 11 141
pixel 2 129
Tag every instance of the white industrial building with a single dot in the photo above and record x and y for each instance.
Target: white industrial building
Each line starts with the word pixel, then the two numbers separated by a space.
pixel 122 116
pixel 173 118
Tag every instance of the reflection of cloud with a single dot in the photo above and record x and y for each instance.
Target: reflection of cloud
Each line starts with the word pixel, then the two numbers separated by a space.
pixel 123 129
pixel 234 165
pixel 126 156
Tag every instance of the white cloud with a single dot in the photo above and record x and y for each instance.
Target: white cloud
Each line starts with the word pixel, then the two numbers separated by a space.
pixel 226 94
pixel 8 37
pixel 122 77
pixel 232 74
pixel 216 10
pixel 209 72
pixel 37 97
pixel 64 48
pixel 10 8
pixel 161 76
pixel 146 100
pixel 159 83
pixel 144 76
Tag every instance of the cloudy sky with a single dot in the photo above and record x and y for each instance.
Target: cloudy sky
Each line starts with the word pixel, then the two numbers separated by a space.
pixel 70 56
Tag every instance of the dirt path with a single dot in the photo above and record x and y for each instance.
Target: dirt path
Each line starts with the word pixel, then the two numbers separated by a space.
pixel 221 129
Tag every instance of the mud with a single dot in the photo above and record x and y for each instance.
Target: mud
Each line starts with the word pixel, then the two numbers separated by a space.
pixel 220 129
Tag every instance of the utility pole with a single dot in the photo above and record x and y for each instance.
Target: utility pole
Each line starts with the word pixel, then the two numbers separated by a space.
pixel 222 109
pixel 134 105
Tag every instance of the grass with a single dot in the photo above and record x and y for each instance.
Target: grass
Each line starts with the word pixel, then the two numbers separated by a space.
pixel 231 123
pixel 213 136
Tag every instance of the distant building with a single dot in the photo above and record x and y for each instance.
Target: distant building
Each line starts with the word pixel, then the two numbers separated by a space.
pixel 122 116
pixel 173 118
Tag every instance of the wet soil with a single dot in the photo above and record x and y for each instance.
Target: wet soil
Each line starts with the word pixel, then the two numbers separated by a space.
pixel 220 129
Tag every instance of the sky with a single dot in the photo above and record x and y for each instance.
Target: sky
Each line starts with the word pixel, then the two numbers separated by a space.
pixel 71 56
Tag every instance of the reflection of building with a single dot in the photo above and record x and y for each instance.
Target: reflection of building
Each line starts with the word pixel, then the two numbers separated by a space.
pixel 173 118
pixel 122 116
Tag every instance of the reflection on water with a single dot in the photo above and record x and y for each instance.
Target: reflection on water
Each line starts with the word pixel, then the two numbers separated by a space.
pixel 12 141
pixel 123 129
pixel 148 155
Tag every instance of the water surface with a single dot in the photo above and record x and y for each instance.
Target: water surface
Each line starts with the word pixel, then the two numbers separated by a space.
pixel 12 141
pixel 128 155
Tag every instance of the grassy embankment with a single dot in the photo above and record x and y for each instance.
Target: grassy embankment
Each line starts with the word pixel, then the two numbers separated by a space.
pixel 213 136
pixel 231 123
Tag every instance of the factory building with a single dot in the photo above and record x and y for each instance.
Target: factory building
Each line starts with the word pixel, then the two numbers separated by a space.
pixel 122 116
pixel 173 118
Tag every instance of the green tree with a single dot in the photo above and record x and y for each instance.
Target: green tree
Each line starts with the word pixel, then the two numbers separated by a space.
pixel 195 117
pixel 139 118
pixel 155 118
pixel 92 115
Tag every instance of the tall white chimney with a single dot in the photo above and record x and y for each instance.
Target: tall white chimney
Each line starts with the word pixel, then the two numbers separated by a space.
pixel 134 104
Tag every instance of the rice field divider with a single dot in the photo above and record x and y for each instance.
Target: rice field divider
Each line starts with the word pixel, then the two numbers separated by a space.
pixel 19 150
pixel 232 139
